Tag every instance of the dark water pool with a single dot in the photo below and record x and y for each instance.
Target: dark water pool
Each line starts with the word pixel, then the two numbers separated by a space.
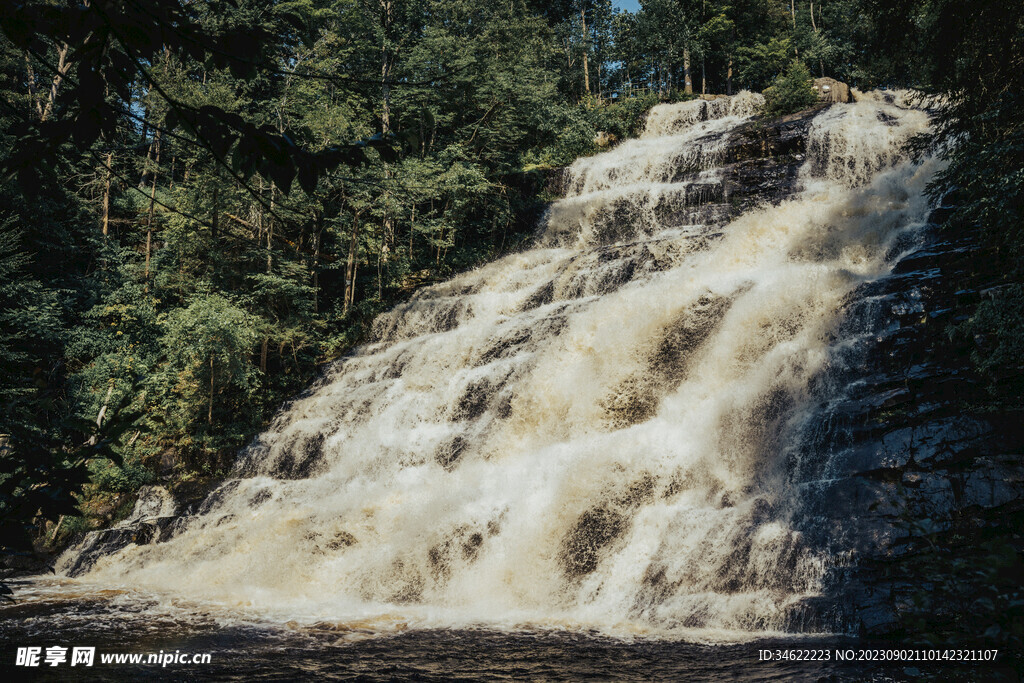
pixel 283 652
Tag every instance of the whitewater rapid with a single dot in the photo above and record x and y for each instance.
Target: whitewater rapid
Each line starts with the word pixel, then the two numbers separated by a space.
pixel 601 431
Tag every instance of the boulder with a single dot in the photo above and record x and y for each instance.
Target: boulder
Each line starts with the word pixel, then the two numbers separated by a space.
pixel 831 90
pixel 604 139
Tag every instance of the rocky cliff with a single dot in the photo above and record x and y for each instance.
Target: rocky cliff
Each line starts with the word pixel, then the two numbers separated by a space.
pixel 917 462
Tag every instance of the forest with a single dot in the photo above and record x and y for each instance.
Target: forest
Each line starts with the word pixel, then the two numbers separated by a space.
pixel 204 202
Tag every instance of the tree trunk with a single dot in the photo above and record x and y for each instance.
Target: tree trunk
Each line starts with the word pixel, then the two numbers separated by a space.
pixel 821 63
pixel 388 226
pixel 149 155
pixel 703 58
pixel 216 211
pixel 387 63
pixel 270 230
pixel 586 68
pixel 687 79
pixel 792 13
pixel 62 68
pixel 209 411
pixel 263 355
pixel 152 203
pixel 316 266
pixel 412 228
pixel 380 274
pixel 355 274
pixel 728 78
pixel 350 266
pixel 56 529
pixel 94 439
pixel 260 222
pixel 106 193
pixel 31 74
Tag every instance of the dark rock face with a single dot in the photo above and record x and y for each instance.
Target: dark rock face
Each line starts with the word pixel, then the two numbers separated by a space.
pixel 108 541
pixel 158 515
pixel 763 160
pixel 760 165
pixel 908 454
pixel 771 138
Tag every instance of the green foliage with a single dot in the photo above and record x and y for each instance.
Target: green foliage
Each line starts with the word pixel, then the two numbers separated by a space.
pixel 761 64
pixel 579 127
pixel 128 477
pixel 625 117
pixel 575 138
pixel 791 91
pixel 30 316
pixel 208 371
pixel 113 45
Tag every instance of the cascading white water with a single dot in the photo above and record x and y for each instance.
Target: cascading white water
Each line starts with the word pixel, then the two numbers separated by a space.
pixel 653 183
pixel 593 431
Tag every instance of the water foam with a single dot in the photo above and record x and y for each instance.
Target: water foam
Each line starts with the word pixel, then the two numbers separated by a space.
pixel 595 433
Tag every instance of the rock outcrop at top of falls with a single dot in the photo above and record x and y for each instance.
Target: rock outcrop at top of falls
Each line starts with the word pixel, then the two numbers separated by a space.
pixel 636 422
pixel 830 90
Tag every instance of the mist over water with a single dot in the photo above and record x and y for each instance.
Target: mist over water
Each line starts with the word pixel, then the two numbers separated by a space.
pixel 600 432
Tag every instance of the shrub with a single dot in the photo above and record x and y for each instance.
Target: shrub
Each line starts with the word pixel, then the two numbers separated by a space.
pixel 791 91
pixel 574 128
pixel 128 477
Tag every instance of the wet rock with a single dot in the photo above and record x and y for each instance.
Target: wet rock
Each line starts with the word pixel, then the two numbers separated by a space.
pixel 556 181
pixel 877 617
pixel 448 453
pixel 763 159
pixel 910 457
pixel 993 482
pixel 765 138
pixel 153 501
pixel 97 544
pixel 153 520
pixel 342 539
pixel 189 495
pixel 582 548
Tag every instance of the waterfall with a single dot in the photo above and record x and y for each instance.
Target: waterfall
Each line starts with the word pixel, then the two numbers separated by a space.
pixel 600 431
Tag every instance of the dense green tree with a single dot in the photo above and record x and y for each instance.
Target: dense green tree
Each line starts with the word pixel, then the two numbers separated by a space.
pixel 790 91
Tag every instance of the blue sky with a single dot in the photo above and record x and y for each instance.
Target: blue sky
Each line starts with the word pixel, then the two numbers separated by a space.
pixel 631 5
